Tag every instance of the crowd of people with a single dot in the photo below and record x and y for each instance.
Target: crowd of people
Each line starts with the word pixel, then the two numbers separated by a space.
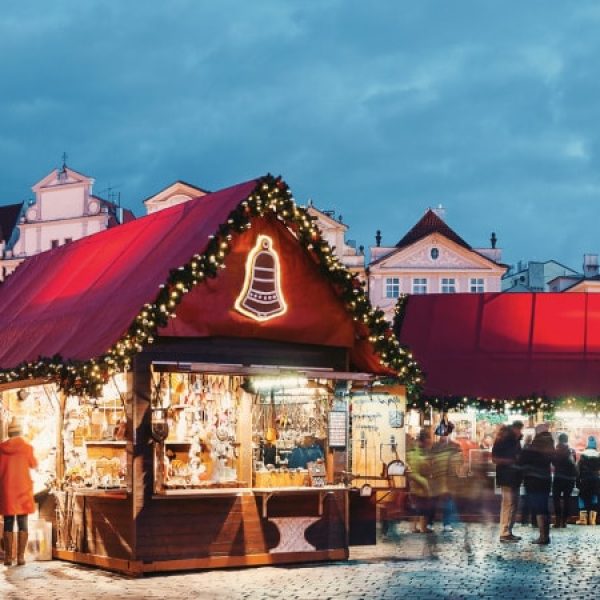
pixel 548 472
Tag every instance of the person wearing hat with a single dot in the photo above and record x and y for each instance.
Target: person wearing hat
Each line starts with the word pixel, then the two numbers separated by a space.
pixel 16 491
pixel 588 482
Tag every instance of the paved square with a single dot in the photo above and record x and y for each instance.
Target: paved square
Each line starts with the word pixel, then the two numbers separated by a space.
pixel 467 564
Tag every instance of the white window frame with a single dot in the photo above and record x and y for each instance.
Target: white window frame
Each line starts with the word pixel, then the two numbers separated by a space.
pixel 391 287
pixel 448 285
pixel 477 285
pixel 419 285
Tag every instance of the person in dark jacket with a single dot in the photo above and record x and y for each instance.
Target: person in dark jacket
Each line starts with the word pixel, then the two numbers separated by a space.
pixel 588 481
pixel 505 452
pixel 565 474
pixel 535 461
pixel 527 515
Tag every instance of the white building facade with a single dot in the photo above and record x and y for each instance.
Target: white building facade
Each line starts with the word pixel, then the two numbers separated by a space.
pixel 334 231
pixel 64 210
pixel 431 259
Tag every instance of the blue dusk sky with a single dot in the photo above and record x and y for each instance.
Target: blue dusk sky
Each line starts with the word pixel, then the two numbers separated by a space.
pixel 377 110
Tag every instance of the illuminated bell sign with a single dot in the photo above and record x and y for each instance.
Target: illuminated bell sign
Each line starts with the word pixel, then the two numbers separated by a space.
pixel 261 298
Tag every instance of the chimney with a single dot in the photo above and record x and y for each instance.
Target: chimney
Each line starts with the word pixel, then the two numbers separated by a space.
pixel 590 265
pixel 440 211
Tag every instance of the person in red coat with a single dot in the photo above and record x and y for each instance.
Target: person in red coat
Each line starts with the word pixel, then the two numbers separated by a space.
pixel 16 491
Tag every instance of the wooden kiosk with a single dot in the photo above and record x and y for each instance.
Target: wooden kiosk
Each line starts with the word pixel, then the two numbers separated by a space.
pixel 198 363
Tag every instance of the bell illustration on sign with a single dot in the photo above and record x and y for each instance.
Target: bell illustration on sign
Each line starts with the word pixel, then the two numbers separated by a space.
pixel 261 297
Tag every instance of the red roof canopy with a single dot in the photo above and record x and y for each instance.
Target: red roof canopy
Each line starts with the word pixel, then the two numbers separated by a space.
pixel 78 300
pixel 505 345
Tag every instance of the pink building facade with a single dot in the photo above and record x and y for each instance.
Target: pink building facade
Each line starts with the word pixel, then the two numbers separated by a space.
pixel 65 209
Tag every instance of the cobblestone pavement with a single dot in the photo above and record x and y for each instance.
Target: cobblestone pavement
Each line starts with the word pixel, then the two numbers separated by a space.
pixel 468 563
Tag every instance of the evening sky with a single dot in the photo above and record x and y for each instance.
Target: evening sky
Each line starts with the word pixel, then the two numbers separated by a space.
pixel 377 110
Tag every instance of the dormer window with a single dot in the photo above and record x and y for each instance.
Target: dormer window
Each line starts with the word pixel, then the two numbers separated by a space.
pixel 434 253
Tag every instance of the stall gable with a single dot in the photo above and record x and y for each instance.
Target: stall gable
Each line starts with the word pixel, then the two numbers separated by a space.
pixel 298 303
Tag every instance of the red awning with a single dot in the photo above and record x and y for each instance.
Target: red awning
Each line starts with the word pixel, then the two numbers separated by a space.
pixel 505 345
pixel 78 300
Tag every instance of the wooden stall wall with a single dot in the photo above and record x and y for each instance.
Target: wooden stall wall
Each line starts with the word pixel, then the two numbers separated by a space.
pixel 174 533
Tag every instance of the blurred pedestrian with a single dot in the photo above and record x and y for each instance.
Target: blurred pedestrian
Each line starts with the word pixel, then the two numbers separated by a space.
pixel 588 481
pixel 527 514
pixel 418 459
pixel 535 461
pixel 505 452
pixel 16 491
pixel 565 474
pixel 446 460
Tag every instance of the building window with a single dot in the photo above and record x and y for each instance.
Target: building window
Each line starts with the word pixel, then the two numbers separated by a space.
pixel 476 286
pixel 448 285
pixel 419 285
pixel 54 244
pixel 434 253
pixel 392 287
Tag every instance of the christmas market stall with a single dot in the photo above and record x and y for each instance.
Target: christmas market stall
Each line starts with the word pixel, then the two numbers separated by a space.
pixel 187 380
pixel 493 358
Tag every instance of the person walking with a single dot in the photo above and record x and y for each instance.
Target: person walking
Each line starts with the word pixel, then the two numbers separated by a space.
pixel 446 460
pixel 588 481
pixel 16 491
pixel 527 515
pixel 419 477
pixel 565 474
pixel 505 452
pixel 535 461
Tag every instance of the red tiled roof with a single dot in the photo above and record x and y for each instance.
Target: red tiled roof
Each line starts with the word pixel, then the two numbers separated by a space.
pixel 431 223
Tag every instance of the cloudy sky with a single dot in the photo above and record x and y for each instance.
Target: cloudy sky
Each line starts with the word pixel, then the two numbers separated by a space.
pixel 377 110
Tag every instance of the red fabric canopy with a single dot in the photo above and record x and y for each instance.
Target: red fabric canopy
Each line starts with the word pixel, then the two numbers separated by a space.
pixel 505 345
pixel 78 300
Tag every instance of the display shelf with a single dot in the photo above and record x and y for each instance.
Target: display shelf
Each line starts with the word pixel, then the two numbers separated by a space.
pixel 112 493
pixel 268 493
pixel 177 442
pixel 202 493
pixel 105 442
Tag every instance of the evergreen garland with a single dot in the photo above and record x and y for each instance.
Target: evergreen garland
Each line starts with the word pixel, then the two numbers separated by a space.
pixel 271 196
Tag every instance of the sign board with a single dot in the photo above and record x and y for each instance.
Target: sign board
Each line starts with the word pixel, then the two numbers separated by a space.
pixel 337 429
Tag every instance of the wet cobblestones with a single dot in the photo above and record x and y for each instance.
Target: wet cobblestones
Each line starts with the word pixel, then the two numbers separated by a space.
pixel 467 564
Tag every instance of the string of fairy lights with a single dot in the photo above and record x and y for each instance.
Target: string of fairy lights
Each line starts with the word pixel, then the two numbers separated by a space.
pixel 271 197
pixel 534 405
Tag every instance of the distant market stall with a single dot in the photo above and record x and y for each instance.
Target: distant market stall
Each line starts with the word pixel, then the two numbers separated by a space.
pixel 503 355
pixel 186 380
